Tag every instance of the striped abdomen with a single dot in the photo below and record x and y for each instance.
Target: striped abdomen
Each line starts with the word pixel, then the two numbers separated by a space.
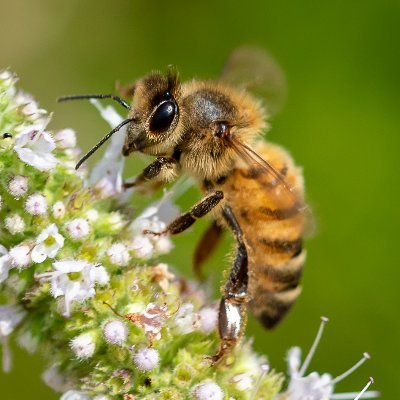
pixel 272 225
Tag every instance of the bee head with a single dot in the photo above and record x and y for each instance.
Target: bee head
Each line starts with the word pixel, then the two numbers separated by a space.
pixel 155 115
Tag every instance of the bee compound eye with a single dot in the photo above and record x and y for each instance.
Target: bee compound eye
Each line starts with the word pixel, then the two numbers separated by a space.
pixel 7 135
pixel 163 116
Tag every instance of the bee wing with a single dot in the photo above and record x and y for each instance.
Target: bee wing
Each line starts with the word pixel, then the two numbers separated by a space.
pixel 255 70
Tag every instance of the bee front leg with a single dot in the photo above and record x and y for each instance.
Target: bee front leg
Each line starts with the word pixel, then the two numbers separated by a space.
pixel 233 305
pixel 164 168
pixel 186 220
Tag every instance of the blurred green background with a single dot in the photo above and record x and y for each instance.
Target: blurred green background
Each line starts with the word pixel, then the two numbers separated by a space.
pixel 341 122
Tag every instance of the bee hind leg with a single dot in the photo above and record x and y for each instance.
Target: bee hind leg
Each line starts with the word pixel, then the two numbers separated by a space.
pixel 233 305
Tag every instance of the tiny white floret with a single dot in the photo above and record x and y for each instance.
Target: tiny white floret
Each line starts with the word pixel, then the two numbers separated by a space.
pixel 20 256
pixel 118 254
pixel 48 243
pixel 115 332
pixel 185 319
pixel 18 186
pixel 65 138
pixel 208 317
pixel 58 210
pixel 83 346
pixel 78 228
pixel 14 224
pixel 243 381
pixel 36 204
pixel 146 359
pixel 207 390
pixel 142 247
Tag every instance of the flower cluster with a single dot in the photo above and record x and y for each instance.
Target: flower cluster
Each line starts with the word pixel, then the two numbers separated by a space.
pixel 79 276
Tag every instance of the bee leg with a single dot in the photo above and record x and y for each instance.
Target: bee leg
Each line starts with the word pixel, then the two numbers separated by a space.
pixel 162 167
pixel 205 248
pixel 186 220
pixel 233 305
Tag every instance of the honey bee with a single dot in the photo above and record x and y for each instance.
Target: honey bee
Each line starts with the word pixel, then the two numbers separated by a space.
pixel 211 131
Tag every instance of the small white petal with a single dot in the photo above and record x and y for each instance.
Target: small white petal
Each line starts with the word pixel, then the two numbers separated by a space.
pixel 146 359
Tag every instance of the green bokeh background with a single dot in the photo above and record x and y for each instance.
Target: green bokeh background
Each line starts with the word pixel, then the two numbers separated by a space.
pixel 341 122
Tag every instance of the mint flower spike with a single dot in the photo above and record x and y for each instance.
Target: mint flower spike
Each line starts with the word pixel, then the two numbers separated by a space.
pixel 69 244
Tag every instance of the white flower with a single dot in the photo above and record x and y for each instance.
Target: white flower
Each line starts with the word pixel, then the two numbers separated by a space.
pixel 78 228
pixel 207 390
pixel 107 173
pixel 36 204
pixel 57 381
pixel 208 317
pixel 115 332
pixel 65 138
pixel 14 224
pixel 18 186
pixel 146 359
pixel 315 386
pixel 20 256
pixel 118 254
pixel 48 243
pixel 74 395
pixel 10 317
pixel 58 210
pixel 101 397
pixel 29 106
pixel 243 381
pixel 92 215
pixel 185 319
pixel 142 247
pixel 83 345
pixel 5 263
pixel 34 147
pixel 75 280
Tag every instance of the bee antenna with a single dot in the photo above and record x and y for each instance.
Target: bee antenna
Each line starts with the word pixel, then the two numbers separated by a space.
pixel 123 103
pixel 102 141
